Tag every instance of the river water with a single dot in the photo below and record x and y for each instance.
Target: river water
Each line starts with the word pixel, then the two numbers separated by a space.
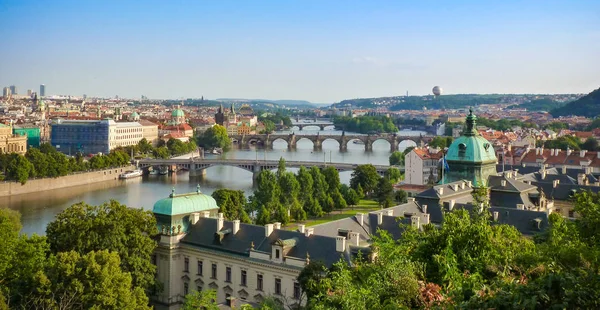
pixel 37 210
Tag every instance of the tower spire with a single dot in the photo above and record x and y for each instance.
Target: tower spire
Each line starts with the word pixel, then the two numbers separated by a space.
pixel 470 129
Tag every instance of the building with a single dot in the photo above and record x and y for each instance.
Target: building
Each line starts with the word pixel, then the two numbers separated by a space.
pixel 87 137
pixel 422 166
pixel 149 131
pixel 31 132
pixel 123 134
pixel 177 127
pixel 29 92
pixel 220 116
pixel 200 250
pixel 11 143
pixel 470 157
pixel 13 90
pixel 42 90
pixel 6 92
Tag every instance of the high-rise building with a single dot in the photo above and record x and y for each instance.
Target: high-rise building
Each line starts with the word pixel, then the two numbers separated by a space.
pixel 13 90
pixel 6 92
pixel 29 92
pixel 42 90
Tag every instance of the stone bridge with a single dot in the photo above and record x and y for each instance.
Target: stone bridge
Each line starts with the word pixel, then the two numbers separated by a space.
pixel 266 140
pixel 197 166
pixel 321 125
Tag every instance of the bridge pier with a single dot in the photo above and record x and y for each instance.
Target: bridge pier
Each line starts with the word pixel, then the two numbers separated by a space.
pixel 255 172
pixel 317 145
pixel 369 146
pixel 198 173
pixel 394 145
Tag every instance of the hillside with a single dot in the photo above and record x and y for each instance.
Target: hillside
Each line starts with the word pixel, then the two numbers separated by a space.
pixel 429 102
pixel 539 105
pixel 588 106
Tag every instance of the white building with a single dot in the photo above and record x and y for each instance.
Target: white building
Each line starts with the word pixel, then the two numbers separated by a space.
pixel 421 166
pixel 124 134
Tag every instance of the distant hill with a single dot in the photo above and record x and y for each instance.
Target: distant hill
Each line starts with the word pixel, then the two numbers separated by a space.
pixel 428 102
pixel 279 102
pixel 539 105
pixel 588 106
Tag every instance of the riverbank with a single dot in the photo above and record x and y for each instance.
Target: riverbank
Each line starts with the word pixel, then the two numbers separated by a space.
pixel 39 185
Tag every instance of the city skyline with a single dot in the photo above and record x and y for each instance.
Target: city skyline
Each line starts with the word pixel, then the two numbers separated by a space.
pixel 320 52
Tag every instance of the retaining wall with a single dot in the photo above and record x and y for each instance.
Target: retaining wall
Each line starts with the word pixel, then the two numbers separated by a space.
pixel 38 185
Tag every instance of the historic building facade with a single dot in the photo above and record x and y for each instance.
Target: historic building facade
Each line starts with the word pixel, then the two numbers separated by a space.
pixel 12 143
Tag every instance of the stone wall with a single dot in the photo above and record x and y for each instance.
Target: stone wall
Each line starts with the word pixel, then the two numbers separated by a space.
pixel 38 185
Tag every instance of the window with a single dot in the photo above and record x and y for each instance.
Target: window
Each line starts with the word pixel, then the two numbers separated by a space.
pixel 259 282
pixel 278 286
pixel 228 274
pixel 296 290
pixel 153 256
pixel 277 253
pixel 199 288
pixel 185 288
pixel 213 274
pixel 243 278
pixel 571 213
pixel 186 264
pixel 200 263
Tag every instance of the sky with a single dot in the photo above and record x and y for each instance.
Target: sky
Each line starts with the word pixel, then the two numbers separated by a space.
pixel 320 51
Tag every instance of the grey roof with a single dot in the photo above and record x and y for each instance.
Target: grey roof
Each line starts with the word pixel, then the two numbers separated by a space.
pixel 449 190
pixel 203 234
pixel 564 191
pixel 511 184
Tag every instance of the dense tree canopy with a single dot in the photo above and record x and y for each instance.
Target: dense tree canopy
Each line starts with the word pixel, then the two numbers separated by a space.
pixel 397 158
pixel 232 204
pixel 366 124
pixel 109 226
pixel 215 137
pixel 366 176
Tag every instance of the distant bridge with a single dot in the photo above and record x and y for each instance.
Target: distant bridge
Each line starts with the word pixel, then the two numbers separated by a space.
pixel 316 123
pixel 266 140
pixel 197 166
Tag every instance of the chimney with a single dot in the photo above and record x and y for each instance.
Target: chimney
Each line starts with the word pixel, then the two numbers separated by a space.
pixel 462 185
pixel 268 230
pixel 379 218
pixel 555 183
pixel 301 228
pixel 588 170
pixel 412 199
pixel 569 152
pixel 496 216
pixel 236 226
pixel 220 221
pixel 564 168
pixel 276 225
pixel 340 244
pixel 194 218
pixel 520 206
pixel 354 238
pixel 503 183
pixel 360 218
pixel 598 154
pixel 389 212
pixel 414 221
pixel 516 173
pixel 426 219
pixel 451 204
pixel 469 183
pixel 205 214
pixel 582 153
pixel 424 208
pixel 441 191
pixel 455 187
pixel 551 152
pixel 309 231
pixel 543 172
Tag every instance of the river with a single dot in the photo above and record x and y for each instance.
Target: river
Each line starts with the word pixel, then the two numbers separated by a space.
pixel 37 210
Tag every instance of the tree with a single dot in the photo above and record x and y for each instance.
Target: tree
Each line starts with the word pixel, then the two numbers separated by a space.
pixel 144 146
pixel 111 226
pixel 267 193
pixel 309 204
pixel 281 167
pixel 400 196
pixel 232 204
pixel 19 169
pixel 590 144
pixel 384 192
pixel 320 189
pixel 161 152
pixel 408 150
pixel 393 174
pixel 366 176
pixel 10 225
pixel 312 279
pixel 349 195
pixel 215 137
pixel 201 300
pixel 397 158
pixel 90 281
pixel 441 142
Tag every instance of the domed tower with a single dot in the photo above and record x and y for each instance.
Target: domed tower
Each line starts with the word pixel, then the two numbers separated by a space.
pixel 470 157
pixel 134 117
pixel 177 116
pixel 173 213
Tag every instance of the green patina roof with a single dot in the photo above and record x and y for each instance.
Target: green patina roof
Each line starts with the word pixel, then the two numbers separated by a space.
pixel 471 147
pixel 185 203
pixel 134 114
pixel 177 113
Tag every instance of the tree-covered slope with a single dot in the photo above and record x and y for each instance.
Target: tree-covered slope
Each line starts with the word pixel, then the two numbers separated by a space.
pixel 588 105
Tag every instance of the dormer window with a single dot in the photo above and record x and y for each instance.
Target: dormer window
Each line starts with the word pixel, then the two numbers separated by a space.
pixel 277 253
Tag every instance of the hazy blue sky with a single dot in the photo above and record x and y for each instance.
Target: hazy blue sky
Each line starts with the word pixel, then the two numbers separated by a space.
pixel 322 51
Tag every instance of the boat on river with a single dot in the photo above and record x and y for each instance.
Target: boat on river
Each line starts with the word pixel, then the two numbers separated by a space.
pixel 164 170
pixel 131 174
pixel 358 142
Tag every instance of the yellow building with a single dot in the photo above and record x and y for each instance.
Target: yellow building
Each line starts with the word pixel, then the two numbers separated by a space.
pixel 10 143
pixel 244 129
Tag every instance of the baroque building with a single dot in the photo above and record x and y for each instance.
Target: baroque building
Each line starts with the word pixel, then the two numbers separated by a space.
pixel 11 143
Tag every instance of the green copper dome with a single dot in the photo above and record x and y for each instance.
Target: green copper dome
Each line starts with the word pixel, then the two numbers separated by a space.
pixel 471 147
pixel 135 114
pixel 177 113
pixel 185 203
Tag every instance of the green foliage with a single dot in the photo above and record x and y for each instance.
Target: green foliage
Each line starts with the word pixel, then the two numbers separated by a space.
pixel 400 196
pixel 429 102
pixel 393 174
pixel 215 137
pixel 593 125
pixel 588 106
pixel 201 300
pixel 275 119
pixel 503 124
pixel 110 226
pixel 563 143
pixel 312 279
pixel 441 142
pixel 161 152
pixel 590 144
pixel 10 225
pixel 556 126
pixel 177 147
pixel 397 158
pixel 384 192
pixel 366 176
pixel 408 150
pixel 232 204
pixel 366 124
pixel 544 104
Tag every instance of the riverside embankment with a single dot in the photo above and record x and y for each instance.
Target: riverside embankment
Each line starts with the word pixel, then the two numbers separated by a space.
pixel 39 185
